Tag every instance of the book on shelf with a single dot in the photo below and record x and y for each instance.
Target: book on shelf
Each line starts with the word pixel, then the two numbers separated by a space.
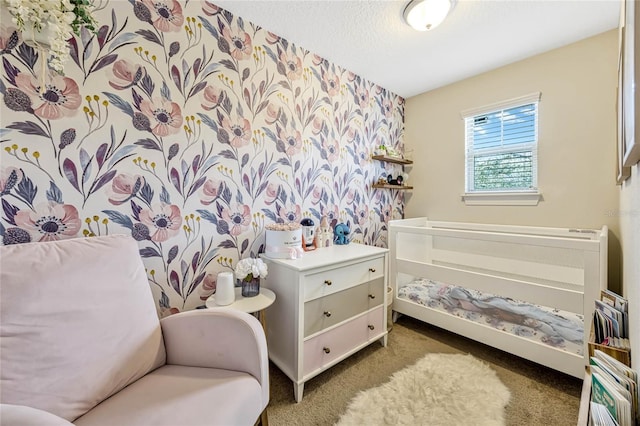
pixel 614 386
pixel 600 416
pixel 615 300
pixel 611 321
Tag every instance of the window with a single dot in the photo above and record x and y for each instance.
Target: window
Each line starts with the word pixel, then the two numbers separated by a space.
pixel 501 150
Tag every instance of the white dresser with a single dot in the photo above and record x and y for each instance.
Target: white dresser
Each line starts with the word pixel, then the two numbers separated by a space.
pixel 330 304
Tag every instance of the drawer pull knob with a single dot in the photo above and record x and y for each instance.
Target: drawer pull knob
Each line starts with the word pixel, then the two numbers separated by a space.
pixel 327 314
pixel 327 282
pixel 326 350
pixel 372 296
pixel 372 269
pixel 371 327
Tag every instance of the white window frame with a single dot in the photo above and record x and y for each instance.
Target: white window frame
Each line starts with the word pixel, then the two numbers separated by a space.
pixel 529 197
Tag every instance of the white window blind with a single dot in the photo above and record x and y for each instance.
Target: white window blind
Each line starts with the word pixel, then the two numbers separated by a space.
pixel 501 146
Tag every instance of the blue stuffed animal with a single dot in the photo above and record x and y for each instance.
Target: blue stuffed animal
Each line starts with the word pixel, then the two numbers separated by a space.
pixel 341 231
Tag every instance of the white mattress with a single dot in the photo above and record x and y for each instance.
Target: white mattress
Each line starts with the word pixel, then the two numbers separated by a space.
pixel 560 329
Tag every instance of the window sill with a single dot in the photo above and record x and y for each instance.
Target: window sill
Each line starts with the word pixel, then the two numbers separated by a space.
pixel 502 198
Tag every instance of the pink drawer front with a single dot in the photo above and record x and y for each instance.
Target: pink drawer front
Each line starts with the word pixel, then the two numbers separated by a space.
pixel 375 323
pixel 324 349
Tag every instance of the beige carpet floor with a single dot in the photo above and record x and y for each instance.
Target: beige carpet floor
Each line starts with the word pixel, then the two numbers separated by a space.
pixel 539 396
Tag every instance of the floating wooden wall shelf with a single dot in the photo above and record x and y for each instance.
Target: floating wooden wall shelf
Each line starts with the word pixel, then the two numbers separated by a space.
pixel 387 186
pixel 396 160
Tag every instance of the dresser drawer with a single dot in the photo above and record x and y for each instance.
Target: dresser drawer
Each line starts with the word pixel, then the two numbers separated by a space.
pixel 334 280
pixel 327 311
pixel 376 292
pixel 375 324
pixel 335 308
pixel 325 348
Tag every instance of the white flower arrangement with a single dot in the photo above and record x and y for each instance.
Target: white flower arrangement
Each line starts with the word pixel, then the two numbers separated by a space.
pixel 59 18
pixel 250 268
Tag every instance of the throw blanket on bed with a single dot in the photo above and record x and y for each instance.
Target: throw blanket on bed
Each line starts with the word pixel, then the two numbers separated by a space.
pixel 550 326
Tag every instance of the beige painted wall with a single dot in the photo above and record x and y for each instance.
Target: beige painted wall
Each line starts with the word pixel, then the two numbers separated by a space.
pixel 630 239
pixel 577 134
pixel 630 224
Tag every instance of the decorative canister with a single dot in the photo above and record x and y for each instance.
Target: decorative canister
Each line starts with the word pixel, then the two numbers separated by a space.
pixel 283 241
pixel 225 292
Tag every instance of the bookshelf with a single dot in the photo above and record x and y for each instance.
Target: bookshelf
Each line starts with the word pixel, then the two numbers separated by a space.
pixel 618 355
pixel 622 355
pixel 585 399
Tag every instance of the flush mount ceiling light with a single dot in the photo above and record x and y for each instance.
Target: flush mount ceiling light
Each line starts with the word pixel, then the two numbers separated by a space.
pixel 424 15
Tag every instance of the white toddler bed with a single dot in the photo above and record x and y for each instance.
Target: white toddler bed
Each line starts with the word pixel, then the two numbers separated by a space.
pixel 524 290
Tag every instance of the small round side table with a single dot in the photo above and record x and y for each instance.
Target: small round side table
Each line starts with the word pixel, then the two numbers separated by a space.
pixel 256 304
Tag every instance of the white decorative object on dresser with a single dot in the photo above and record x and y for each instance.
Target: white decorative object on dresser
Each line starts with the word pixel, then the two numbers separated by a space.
pixel 331 303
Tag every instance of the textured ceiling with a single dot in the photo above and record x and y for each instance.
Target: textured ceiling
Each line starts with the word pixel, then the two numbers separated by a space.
pixel 371 39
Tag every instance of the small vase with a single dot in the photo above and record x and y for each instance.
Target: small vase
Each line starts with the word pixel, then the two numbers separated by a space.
pixel 251 288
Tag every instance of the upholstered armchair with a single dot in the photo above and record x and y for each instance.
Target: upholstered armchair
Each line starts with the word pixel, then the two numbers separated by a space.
pixel 81 343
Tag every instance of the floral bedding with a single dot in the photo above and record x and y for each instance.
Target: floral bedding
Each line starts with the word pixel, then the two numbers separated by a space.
pixel 553 327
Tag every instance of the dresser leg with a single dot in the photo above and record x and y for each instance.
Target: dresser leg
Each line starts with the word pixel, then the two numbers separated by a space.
pixel 297 391
pixel 383 340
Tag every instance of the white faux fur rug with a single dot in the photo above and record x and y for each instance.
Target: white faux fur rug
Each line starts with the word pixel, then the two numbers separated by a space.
pixel 440 389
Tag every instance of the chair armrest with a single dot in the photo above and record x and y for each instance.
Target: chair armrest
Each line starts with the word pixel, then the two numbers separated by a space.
pixel 218 338
pixel 21 415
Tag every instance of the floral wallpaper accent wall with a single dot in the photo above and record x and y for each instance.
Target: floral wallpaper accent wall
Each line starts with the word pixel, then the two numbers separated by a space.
pixel 189 129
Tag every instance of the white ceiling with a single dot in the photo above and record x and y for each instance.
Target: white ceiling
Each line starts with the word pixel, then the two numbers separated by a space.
pixel 371 39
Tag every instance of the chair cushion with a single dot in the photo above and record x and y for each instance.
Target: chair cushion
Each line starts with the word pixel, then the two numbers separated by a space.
pixel 77 323
pixel 187 396
pixel 20 415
